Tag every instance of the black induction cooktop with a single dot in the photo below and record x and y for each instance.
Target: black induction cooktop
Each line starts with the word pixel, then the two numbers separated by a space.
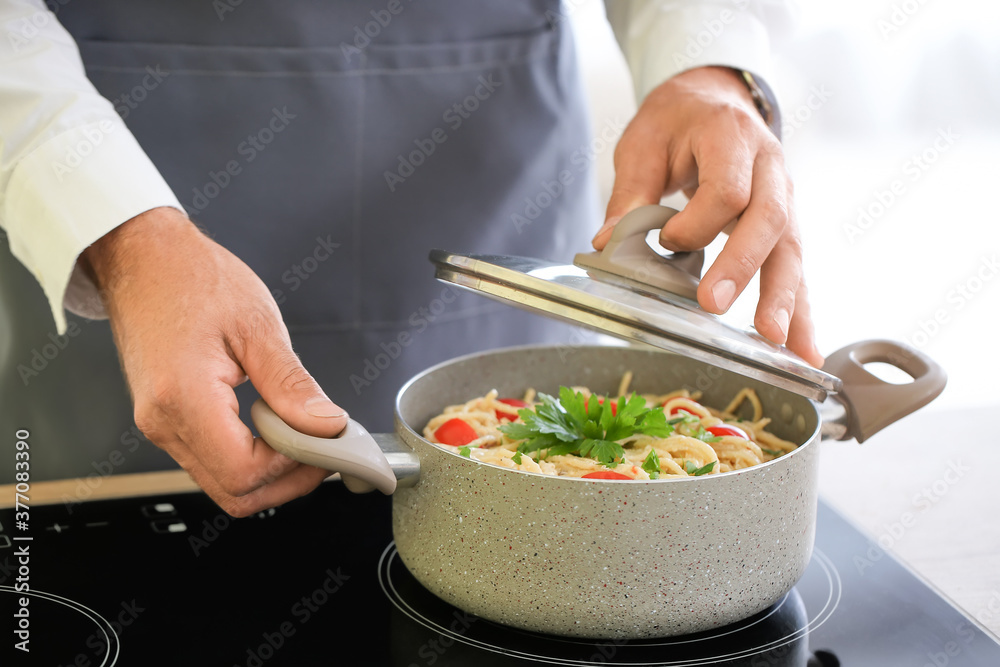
pixel 171 580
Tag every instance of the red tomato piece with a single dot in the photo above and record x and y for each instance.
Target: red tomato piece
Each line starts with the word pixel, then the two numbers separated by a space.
pixel 455 432
pixel 726 429
pixel 605 474
pixel 614 406
pixel 513 402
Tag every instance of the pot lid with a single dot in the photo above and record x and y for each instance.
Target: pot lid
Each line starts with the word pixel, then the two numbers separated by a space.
pixel 631 291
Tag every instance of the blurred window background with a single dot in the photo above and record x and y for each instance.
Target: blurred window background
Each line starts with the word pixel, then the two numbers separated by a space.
pixel 892 132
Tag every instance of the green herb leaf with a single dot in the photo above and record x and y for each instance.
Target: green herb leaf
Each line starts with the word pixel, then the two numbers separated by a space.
pixel 683 417
pixel 772 452
pixel 691 469
pixel 654 423
pixel 576 425
pixel 651 464
pixel 516 458
pixel 465 451
pixel 705 436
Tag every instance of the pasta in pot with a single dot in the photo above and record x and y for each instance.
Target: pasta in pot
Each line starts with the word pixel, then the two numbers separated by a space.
pixel 695 439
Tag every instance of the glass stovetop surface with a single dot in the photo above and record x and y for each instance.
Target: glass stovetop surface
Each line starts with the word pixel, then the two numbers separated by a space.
pixel 171 580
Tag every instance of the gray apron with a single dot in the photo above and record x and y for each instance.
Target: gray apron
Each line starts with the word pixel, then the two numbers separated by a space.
pixel 329 145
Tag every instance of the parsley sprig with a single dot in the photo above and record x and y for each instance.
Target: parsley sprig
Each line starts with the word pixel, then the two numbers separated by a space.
pixel 572 424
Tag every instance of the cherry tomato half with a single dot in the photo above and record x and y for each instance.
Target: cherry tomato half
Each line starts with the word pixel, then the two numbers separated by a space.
pixel 605 474
pixel 614 406
pixel 455 432
pixel 514 403
pixel 674 410
pixel 726 429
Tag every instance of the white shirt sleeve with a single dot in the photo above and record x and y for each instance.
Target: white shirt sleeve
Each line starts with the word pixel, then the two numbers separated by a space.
pixel 662 38
pixel 70 171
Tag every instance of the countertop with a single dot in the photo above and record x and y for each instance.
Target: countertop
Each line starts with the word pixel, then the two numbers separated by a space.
pixel 926 489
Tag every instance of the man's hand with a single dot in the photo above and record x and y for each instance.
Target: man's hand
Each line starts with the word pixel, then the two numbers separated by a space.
pixel 191 322
pixel 700 133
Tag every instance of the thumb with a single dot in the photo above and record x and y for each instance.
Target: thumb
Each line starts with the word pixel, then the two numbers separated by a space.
pixel 286 386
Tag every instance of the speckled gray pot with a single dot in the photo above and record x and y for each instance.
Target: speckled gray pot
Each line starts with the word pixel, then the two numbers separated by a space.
pixel 595 558
pixel 599 558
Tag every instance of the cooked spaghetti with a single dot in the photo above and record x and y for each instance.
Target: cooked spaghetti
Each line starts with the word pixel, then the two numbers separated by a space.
pixel 694 440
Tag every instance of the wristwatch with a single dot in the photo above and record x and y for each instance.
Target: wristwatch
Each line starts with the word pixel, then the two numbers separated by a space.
pixel 762 99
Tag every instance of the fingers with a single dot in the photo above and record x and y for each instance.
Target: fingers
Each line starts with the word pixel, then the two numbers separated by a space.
pixel 726 170
pixel 801 336
pixel 641 168
pixel 282 484
pixel 752 240
pixel 265 353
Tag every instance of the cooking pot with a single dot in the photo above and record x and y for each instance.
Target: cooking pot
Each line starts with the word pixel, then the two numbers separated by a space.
pixel 600 558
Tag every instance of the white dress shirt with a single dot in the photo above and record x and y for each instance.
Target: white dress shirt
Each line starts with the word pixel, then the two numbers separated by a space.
pixel 70 171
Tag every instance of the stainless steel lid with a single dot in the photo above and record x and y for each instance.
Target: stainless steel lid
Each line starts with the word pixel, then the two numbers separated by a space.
pixel 630 291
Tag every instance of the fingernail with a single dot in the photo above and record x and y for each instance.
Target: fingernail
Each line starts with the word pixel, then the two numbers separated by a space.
pixel 321 406
pixel 723 293
pixel 781 318
pixel 609 225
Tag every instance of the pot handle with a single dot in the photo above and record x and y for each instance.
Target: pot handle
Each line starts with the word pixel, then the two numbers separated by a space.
pixel 353 453
pixel 871 403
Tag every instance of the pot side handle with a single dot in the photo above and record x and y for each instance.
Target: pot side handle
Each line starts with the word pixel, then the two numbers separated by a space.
pixel 353 453
pixel 871 403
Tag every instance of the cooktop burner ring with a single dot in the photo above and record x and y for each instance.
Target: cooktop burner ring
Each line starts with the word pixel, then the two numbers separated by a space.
pixel 389 561
pixel 111 640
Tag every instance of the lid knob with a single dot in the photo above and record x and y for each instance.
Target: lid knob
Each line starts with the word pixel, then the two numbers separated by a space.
pixel 627 255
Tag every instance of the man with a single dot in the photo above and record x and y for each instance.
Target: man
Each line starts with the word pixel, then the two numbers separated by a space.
pixel 325 147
